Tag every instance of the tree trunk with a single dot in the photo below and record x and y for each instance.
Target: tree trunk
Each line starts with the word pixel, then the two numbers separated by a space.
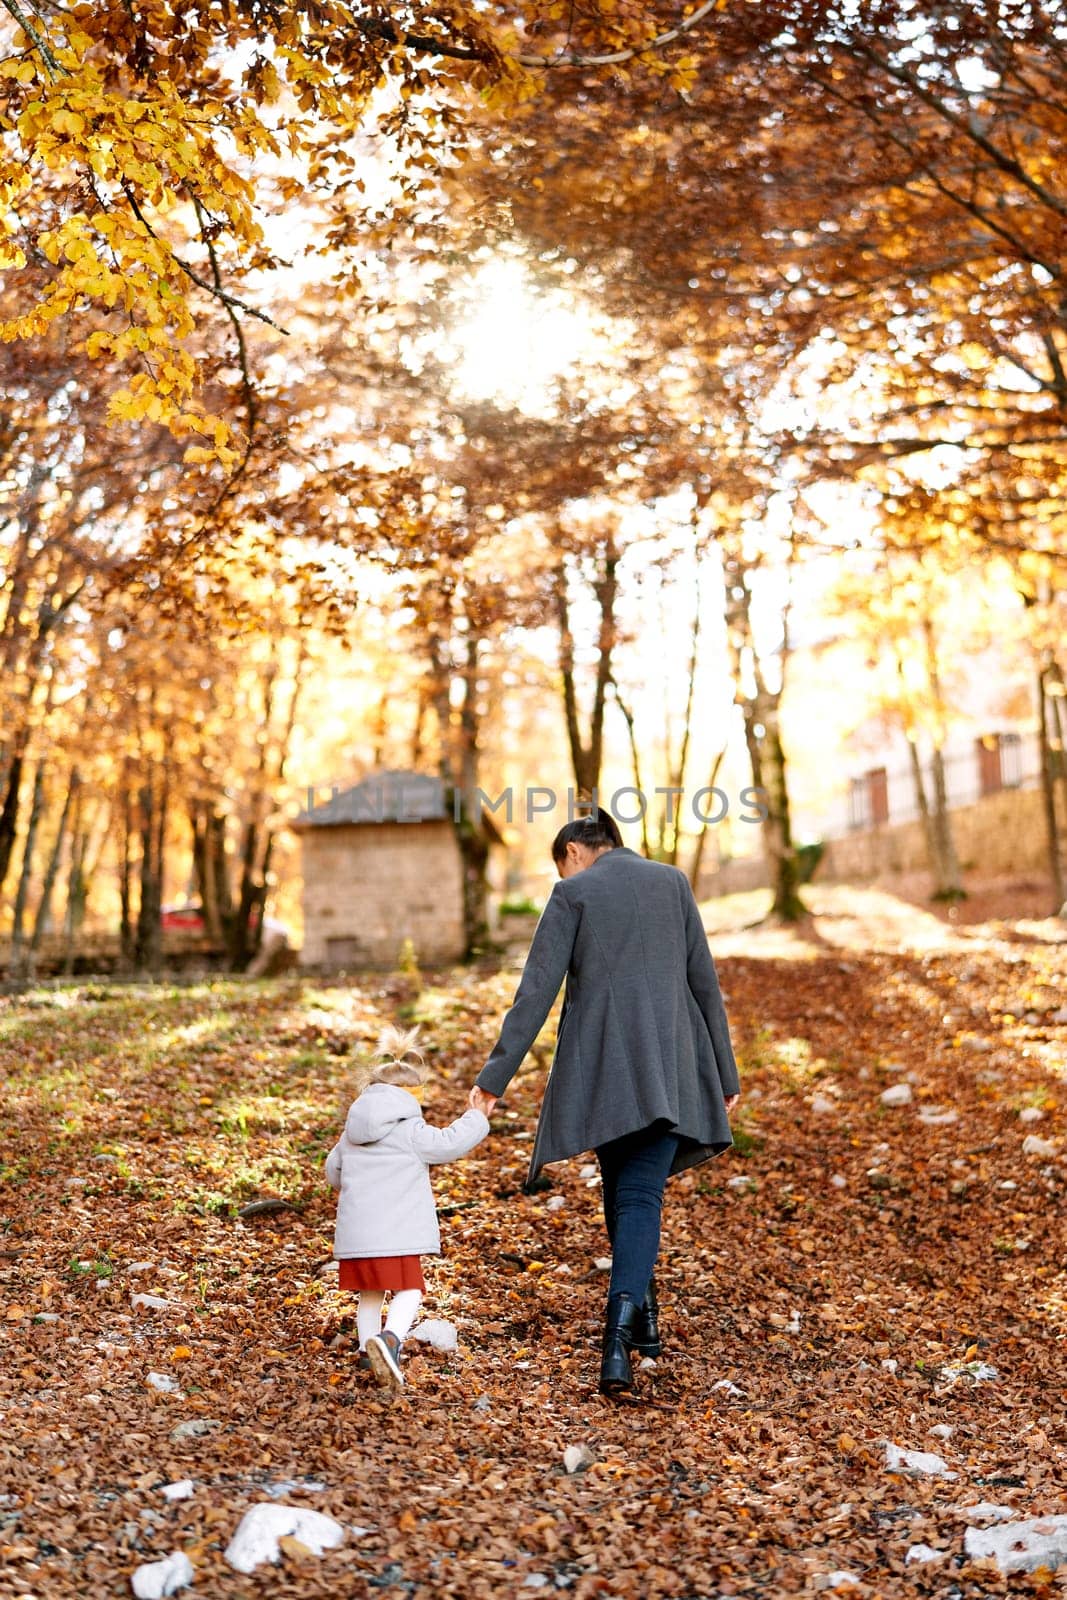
pixel 1048 796
pixel 77 886
pixel 945 861
pixel 9 813
pixel 247 924
pixel 126 933
pixel 635 763
pixel 242 945
pixel 148 939
pixel 759 710
pixel 471 833
pixel 676 777
pixel 698 849
pixel 20 955
pixel 586 756
pixel 148 948
pixel 1058 738
pixel 211 870
pixel 44 905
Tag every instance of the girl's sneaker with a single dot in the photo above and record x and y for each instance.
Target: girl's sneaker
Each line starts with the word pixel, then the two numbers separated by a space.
pixel 383 1350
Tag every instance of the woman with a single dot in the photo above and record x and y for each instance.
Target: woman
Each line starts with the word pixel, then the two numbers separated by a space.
pixel 644 1072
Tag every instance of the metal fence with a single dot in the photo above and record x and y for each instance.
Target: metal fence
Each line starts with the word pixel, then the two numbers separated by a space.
pixel 884 796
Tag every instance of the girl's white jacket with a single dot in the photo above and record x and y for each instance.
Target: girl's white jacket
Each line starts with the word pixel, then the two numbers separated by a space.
pixel 381 1167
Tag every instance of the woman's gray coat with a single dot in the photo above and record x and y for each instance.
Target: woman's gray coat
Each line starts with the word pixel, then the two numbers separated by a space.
pixel 643 1036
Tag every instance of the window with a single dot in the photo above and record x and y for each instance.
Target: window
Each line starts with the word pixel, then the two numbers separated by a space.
pixel 999 758
pixel 868 799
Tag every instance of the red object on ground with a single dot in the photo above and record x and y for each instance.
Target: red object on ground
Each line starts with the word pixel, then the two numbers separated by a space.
pixel 379 1273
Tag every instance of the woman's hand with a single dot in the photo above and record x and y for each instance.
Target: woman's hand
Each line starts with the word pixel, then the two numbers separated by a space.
pixel 731 1101
pixel 479 1100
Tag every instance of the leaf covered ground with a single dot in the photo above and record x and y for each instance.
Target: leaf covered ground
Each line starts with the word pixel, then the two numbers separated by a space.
pixel 837 1281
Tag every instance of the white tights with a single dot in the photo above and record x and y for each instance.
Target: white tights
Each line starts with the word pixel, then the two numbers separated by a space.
pixel 403 1308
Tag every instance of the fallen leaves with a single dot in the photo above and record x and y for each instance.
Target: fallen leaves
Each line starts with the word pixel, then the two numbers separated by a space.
pixel 806 1322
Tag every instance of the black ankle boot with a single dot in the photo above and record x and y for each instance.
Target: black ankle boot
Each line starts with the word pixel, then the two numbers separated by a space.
pixel 615 1372
pixel 646 1340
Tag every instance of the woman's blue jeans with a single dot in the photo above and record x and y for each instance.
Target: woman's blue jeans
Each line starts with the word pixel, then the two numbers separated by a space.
pixel 635 1170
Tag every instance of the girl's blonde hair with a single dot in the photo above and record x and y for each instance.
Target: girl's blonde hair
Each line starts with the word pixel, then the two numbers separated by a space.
pixel 397 1059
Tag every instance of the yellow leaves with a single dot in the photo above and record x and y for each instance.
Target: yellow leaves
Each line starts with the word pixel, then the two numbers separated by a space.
pixel 63 121
pixel 24 71
pixel 181 1352
pixel 126 406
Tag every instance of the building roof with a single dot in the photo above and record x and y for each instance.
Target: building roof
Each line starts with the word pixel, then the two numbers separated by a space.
pixel 393 796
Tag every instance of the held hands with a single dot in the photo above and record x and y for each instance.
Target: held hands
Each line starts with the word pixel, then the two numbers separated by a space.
pixel 479 1100
pixel 731 1101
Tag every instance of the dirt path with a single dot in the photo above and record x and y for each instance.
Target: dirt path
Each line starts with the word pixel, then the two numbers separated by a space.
pixel 822 1286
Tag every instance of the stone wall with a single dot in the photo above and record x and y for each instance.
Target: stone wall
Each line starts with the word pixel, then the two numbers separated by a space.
pixel 1002 833
pixel 369 887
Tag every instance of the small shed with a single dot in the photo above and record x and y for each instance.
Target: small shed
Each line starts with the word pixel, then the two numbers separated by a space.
pixel 382 864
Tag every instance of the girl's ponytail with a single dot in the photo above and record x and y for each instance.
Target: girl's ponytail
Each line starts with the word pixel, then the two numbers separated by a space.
pixel 398 1060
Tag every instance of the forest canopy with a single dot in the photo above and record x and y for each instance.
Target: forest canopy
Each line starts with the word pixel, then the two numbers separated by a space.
pixel 792 280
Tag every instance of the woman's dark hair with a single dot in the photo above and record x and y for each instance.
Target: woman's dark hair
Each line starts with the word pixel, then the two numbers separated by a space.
pixel 595 831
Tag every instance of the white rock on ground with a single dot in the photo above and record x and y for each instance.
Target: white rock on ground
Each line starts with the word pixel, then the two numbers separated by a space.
pixel 158 1578
pixel 163 1382
pixel 898 1095
pixel 920 1554
pixel 438 1333
pixel 937 1116
pixel 1021 1546
pixel 942 1430
pixel 603 1263
pixel 921 1462
pixel 195 1428
pixel 1033 1146
pixel 822 1105
pixel 256 1539
pixel 557 1202
pixel 1031 1114
pixel 986 1511
pixel 182 1490
pixel 836 1580
pixel 151 1302
pixel 292 1486
pixel 577 1457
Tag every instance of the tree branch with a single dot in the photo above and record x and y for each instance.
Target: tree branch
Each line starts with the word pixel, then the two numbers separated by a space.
pixel 14 10
pixel 376 28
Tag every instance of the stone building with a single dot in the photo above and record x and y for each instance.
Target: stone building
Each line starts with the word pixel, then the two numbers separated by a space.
pixel 382 865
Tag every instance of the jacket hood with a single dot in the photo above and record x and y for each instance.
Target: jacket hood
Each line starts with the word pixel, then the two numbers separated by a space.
pixel 377 1111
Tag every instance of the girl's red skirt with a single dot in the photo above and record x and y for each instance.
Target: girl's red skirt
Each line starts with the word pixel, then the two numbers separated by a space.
pixel 376 1274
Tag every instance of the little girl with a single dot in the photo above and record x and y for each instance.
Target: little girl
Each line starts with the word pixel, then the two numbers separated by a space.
pixel 386 1217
